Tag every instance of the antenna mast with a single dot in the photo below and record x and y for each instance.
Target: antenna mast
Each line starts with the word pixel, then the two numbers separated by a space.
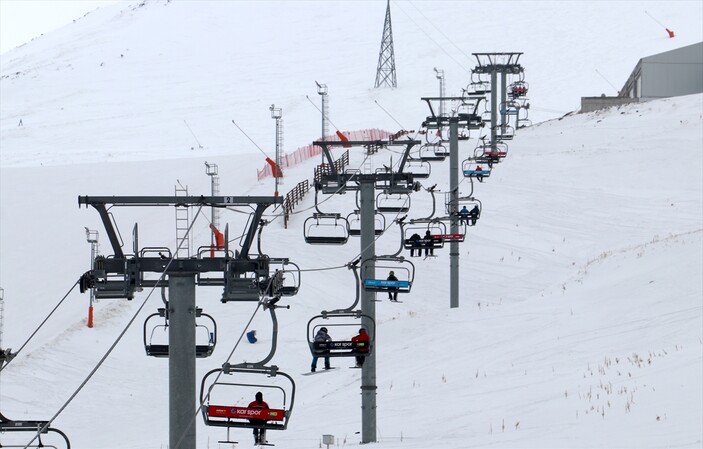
pixel 211 170
pixel 277 113
pixel 385 73
pixel 91 236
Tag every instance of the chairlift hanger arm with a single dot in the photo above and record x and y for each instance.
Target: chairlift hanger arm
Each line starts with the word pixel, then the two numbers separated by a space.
pixel 109 228
pixel 251 232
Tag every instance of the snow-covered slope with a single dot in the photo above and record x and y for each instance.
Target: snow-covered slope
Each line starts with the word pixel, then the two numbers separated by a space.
pixel 119 83
pixel 581 319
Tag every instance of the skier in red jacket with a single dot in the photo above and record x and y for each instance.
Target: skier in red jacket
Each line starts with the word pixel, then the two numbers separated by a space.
pixel 364 338
pixel 259 434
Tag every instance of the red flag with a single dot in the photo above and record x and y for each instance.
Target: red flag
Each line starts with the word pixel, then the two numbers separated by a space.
pixel 343 138
pixel 219 237
pixel 274 169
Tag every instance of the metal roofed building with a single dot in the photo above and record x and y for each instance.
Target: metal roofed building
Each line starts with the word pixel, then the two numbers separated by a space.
pixel 669 74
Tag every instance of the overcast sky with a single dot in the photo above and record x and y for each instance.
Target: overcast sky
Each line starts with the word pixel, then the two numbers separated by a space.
pixel 22 20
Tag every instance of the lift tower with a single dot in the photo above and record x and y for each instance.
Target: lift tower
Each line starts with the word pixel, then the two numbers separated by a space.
pixel 493 64
pixel 335 182
pixel 385 71
pixel 243 277
pixel 467 117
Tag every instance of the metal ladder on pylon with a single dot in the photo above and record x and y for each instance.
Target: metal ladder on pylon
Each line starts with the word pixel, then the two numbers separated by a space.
pixel 368 166
pixel 183 241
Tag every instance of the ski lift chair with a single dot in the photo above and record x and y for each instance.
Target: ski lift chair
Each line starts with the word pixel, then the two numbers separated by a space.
pixel 472 169
pixel 354 220
pixel 432 152
pixel 403 269
pixel 289 277
pixel 326 229
pixel 344 324
pixel 419 168
pixel 47 437
pixel 471 204
pixel 437 229
pixel 393 202
pixel 221 387
pixel 206 335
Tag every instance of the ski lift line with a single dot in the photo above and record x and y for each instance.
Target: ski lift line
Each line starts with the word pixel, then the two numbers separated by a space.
pixel 652 17
pixel 439 30
pixel 430 38
pixel 194 137
pixel 389 114
pixel 119 337
pixel 40 325
pixel 250 139
pixel 607 81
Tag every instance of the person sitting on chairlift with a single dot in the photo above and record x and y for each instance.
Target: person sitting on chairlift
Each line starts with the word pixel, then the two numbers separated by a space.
pixel 464 215
pixel 392 291
pixel 479 176
pixel 429 246
pixel 364 338
pixel 321 337
pixel 259 434
pixel 415 245
pixel 474 214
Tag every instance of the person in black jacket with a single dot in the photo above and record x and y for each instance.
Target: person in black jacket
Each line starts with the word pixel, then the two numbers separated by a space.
pixel 429 246
pixel 321 337
pixel 392 291
pixel 415 245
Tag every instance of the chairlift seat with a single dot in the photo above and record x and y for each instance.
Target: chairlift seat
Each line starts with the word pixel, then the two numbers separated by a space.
pixel 288 291
pixel 475 173
pixel 435 243
pixel 498 154
pixel 383 285
pixel 332 348
pixel 450 237
pixel 201 351
pixel 231 412
pixel 326 240
pixel 393 209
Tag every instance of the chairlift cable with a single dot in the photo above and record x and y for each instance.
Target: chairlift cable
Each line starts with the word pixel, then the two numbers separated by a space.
pixel 250 139
pixel 439 30
pixel 389 114
pixel 430 38
pixel 119 337
pixel 40 326
pixel 323 114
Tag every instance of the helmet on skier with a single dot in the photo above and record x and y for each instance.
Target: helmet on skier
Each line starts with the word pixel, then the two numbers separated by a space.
pixel 392 273
pixel 323 329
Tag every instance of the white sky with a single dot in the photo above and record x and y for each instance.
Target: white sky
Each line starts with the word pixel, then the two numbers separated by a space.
pixel 22 20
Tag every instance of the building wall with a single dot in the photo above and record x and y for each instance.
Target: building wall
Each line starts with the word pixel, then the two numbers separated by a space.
pixel 668 74
pixel 590 104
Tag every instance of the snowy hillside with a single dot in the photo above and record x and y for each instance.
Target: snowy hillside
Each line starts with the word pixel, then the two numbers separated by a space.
pixel 581 315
